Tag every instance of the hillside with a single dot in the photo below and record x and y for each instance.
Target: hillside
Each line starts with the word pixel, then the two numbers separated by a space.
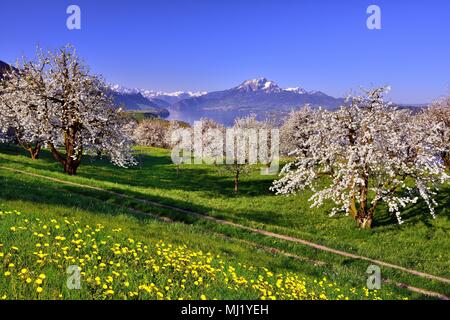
pixel 3 68
pixel 259 96
pixel 156 180
pixel 137 102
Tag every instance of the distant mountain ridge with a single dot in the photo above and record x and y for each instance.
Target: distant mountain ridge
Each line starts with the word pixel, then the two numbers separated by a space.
pixel 168 97
pixel 4 67
pixel 129 100
pixel 137 102
pixel 260 96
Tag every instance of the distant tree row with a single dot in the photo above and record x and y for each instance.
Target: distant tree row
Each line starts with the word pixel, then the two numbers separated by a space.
pixel 212 137
pixel 156 132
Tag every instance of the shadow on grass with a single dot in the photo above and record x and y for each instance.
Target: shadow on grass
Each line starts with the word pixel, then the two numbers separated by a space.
pixel 417 213
pixel 26 188
pixel 155 171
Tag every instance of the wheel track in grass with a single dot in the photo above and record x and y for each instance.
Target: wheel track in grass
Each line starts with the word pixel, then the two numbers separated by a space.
pixel 254 230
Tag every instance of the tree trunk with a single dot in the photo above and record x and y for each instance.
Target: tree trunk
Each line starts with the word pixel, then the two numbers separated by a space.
pixel 446 158
pixel 34 152
pixel 71 164
pixel 70 161
pixel 364 222
pixel 70 168
pixel 236 182
pixel 364 216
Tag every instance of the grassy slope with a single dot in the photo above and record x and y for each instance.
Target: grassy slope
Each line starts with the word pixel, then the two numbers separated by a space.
pixel 421 243
pixel 38 200
pixel 120 261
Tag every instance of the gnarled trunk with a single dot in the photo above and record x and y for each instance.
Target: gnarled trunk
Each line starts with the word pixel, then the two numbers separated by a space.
pixel 34 151
pixel 72 159
pixel 71 168
pixel 364 222
pixel 446 159
pixel 363 215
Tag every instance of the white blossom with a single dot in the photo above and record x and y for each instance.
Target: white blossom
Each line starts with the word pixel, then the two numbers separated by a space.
pixel 56 101
pixel 364 153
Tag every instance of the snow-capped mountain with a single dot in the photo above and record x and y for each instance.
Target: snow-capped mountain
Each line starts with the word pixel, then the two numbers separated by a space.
pixel 132 99
pixel 259 84
pixel 297 90
pixel 260 96
pixel 4 67
pixel 177 94
pixel 169 97
pixel 268 86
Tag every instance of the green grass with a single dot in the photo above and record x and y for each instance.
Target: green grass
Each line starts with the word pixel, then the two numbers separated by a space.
pixel 422 243
pixel 117 263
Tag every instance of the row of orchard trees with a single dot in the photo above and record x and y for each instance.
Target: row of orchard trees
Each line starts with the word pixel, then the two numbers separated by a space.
pixel 366 153
pixel 55 102
pixel 206 142
pixel 357 157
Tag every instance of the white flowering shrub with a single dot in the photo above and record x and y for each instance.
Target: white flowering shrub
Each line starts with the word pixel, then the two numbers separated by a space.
pixel 152 133
pixel 369 153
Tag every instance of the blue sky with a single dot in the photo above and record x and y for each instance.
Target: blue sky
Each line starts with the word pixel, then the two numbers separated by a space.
pixel 216 44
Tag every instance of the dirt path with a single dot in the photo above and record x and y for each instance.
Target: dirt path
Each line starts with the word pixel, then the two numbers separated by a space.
pixel 254 230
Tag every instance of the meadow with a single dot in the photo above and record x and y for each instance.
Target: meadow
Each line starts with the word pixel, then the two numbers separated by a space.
pixel 236 255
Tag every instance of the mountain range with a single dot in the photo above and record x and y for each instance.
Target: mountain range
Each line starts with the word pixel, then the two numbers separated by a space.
pixel 135 101
pixel 3 68
pixel 259 96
